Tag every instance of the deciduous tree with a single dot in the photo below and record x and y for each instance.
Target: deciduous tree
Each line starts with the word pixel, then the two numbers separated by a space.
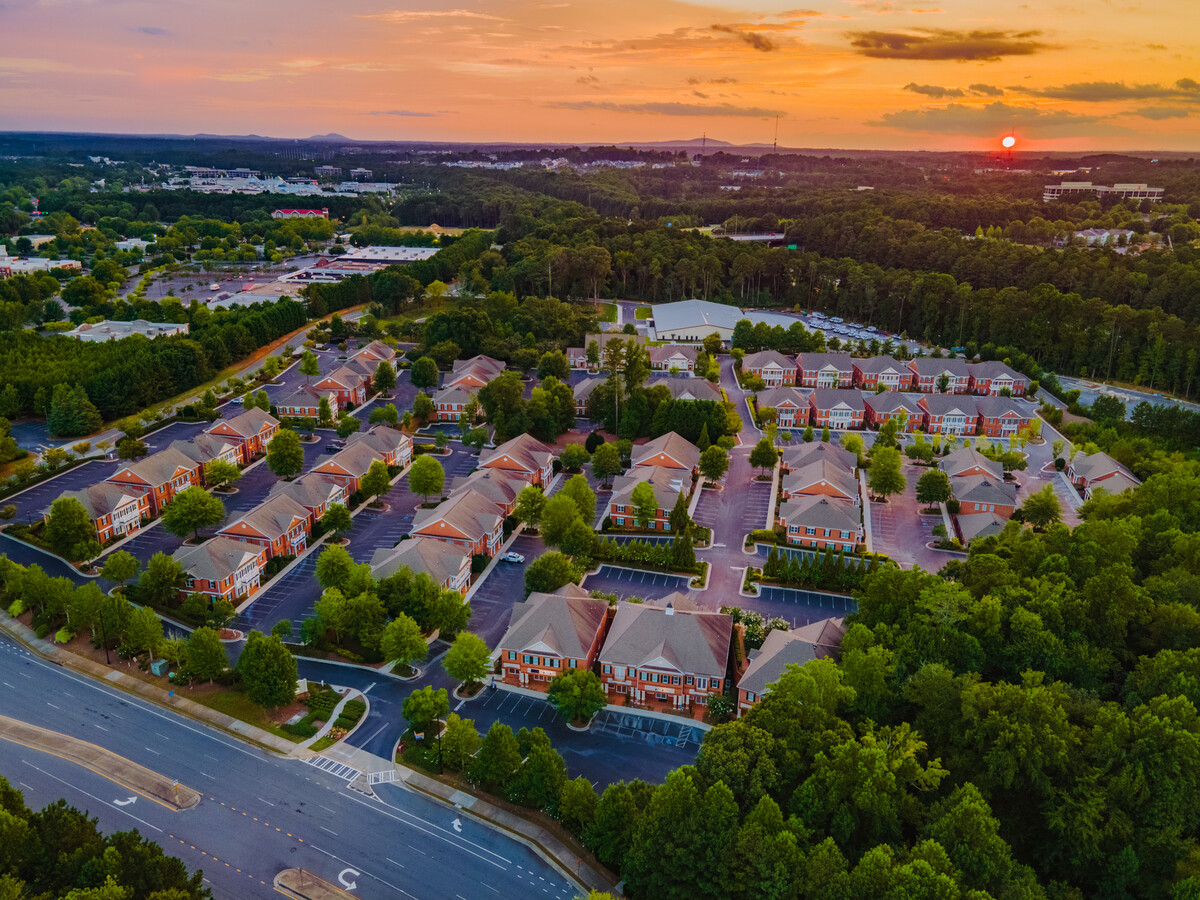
pixel 190 510
pixel 285 456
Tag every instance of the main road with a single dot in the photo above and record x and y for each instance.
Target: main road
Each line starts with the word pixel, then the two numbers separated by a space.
pixel 260 813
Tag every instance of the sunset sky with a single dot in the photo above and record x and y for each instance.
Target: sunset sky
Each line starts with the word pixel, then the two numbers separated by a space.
pixel 843 73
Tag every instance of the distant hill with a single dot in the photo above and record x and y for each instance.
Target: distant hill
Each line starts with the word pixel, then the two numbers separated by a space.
pixel 332 136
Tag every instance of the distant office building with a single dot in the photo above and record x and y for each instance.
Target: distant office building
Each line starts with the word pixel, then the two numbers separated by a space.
pixel 1067 189
pixel 328 171
pixel 364 174
pixel 322 213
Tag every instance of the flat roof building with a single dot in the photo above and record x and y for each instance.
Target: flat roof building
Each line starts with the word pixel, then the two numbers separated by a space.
pixel 1066 189
pixel 114 331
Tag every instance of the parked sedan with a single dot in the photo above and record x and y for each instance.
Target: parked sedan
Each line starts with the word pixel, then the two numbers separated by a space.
pixel 513 558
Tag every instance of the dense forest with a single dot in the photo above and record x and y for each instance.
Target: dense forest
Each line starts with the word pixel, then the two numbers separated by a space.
pixel 60 852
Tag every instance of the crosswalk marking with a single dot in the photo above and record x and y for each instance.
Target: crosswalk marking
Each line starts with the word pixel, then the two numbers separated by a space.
pixel 333 767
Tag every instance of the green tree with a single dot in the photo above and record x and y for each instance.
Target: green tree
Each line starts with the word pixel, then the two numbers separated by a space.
pixel 285 456
pixel 377 481
pixel 70 531
pixel 558 514
pixel 714 463
pixel 530 503
pixel 402 642
pixel 160 580
pixel 616 819
pixel 348 425
pixel 206 659
pixel 425 706
pixel 498 760
pixel 885 477
pixel 426 477
pixel 310 366
pixel 447 613
pixel 268 670
pixel 385 377
pixel 579 540
pixel 577 805
pixel 541 777
pixel 334 567
pixel 606 462
pixel 468 660
pixel 764 455
pixel 337 519
pixel 645 504
pixel 219 473
pixel 933 488
pixel 573 457
pixel 119 567
pixel 549 572
pixel 71 413
pixel 131 448
pixel 578 489
pixel 324 411
pixel 190 510
pixel 680 519
pixel 553 363
pixel 386 415
pixel 577 694
pixel 825 435
pixel 142 632
pixel 424 373
pixel 460 740
pixel 1042 508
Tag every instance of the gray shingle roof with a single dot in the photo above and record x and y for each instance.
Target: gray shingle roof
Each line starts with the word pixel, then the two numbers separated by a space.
pixel 842 362
pixel 101 499
pixel 311 490
pixel 688 388
pixel 672 445
pixel 563 625
pixel 668 484
pixel 927 366
pixel 982 489
pixel 794 457
pixel 215 559
pixel 159 468
pixel 776 396
pixel 692 642
pixel 440 561
pixel 693 315
pixel 832 398
pixel 783 648
pixel 821 512
pixel 975 525
pixel 962 460
pixel 765 358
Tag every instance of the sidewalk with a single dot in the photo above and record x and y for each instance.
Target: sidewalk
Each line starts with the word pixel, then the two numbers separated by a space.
pixel 537 838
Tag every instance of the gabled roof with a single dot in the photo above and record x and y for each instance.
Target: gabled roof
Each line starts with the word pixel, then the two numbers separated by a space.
pixel 563 625
pixel 478 362
pixel 305 395
pixel 378 349
pixel 101 499
pixel 993 369
pixel 695 642
pixel 928 366
pixel 469 512
pixel 584 389
pixel 818 471
pixel 381 438
pixel 880 364
pixel 794 457
pixel 159 468
pixel 969 458
pixel 311 490
pixel 668 484
pixel 204 448
pixel 346 377
pixel 440 561
pixel 453 394
pixel 354 460
pixel 249 423
pixel 783 648
pixel 688 388
pixel 671 445
pixel 766 358
pixel 983 489
pixel 215 559
pixel 1117 483
pixel 272 518
pixel 524 451
pixel 666 352
pixel 977 525
pixel 500 486
pixel 842 362
pixel 891 402
pixel 776 397
pixel 832 398
pixel 821 512
pixel 998 407
pixel 1097 465
pixel 949 404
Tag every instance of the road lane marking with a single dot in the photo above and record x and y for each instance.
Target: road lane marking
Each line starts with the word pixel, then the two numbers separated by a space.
pixel 323 828
pixel 93 796
pixel 448 836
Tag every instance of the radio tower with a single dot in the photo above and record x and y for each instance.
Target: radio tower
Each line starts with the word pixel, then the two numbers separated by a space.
pixel 775 143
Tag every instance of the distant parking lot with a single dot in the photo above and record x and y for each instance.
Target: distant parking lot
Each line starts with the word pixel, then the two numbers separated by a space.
pixel 32 501
pixel 738 509
pixel 616 748
pixel 492 603
pixel 627 583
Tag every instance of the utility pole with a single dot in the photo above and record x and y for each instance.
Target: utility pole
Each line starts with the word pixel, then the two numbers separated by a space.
pixel 775 143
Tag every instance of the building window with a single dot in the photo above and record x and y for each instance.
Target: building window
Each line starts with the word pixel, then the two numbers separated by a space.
pixel 528 660
pixel 571 663
pixel 607 670
pixel 512 654
pixel 751 696
pixel 810 530
pixel 701 682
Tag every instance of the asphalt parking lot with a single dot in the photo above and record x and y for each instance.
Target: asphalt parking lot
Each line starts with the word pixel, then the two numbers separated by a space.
pixel 610 751
pixel 796 606
pixel 32 501
pixel 736 510
pixel 626 583
pixel 504 588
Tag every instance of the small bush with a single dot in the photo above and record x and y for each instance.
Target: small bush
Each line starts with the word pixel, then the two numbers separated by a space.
pixel 301 729
pixel 1059 464
pixel 953 506
pixel 766 535
pixel 8 511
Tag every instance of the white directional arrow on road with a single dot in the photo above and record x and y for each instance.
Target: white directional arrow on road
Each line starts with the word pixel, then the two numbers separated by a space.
pixel 348 885
pixel 125 802
pixel 457 825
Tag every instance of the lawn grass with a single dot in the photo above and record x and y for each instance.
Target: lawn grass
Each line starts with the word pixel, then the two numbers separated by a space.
pixel 238 706
pixel 607 312
pixel 323 743
pixel 643 312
